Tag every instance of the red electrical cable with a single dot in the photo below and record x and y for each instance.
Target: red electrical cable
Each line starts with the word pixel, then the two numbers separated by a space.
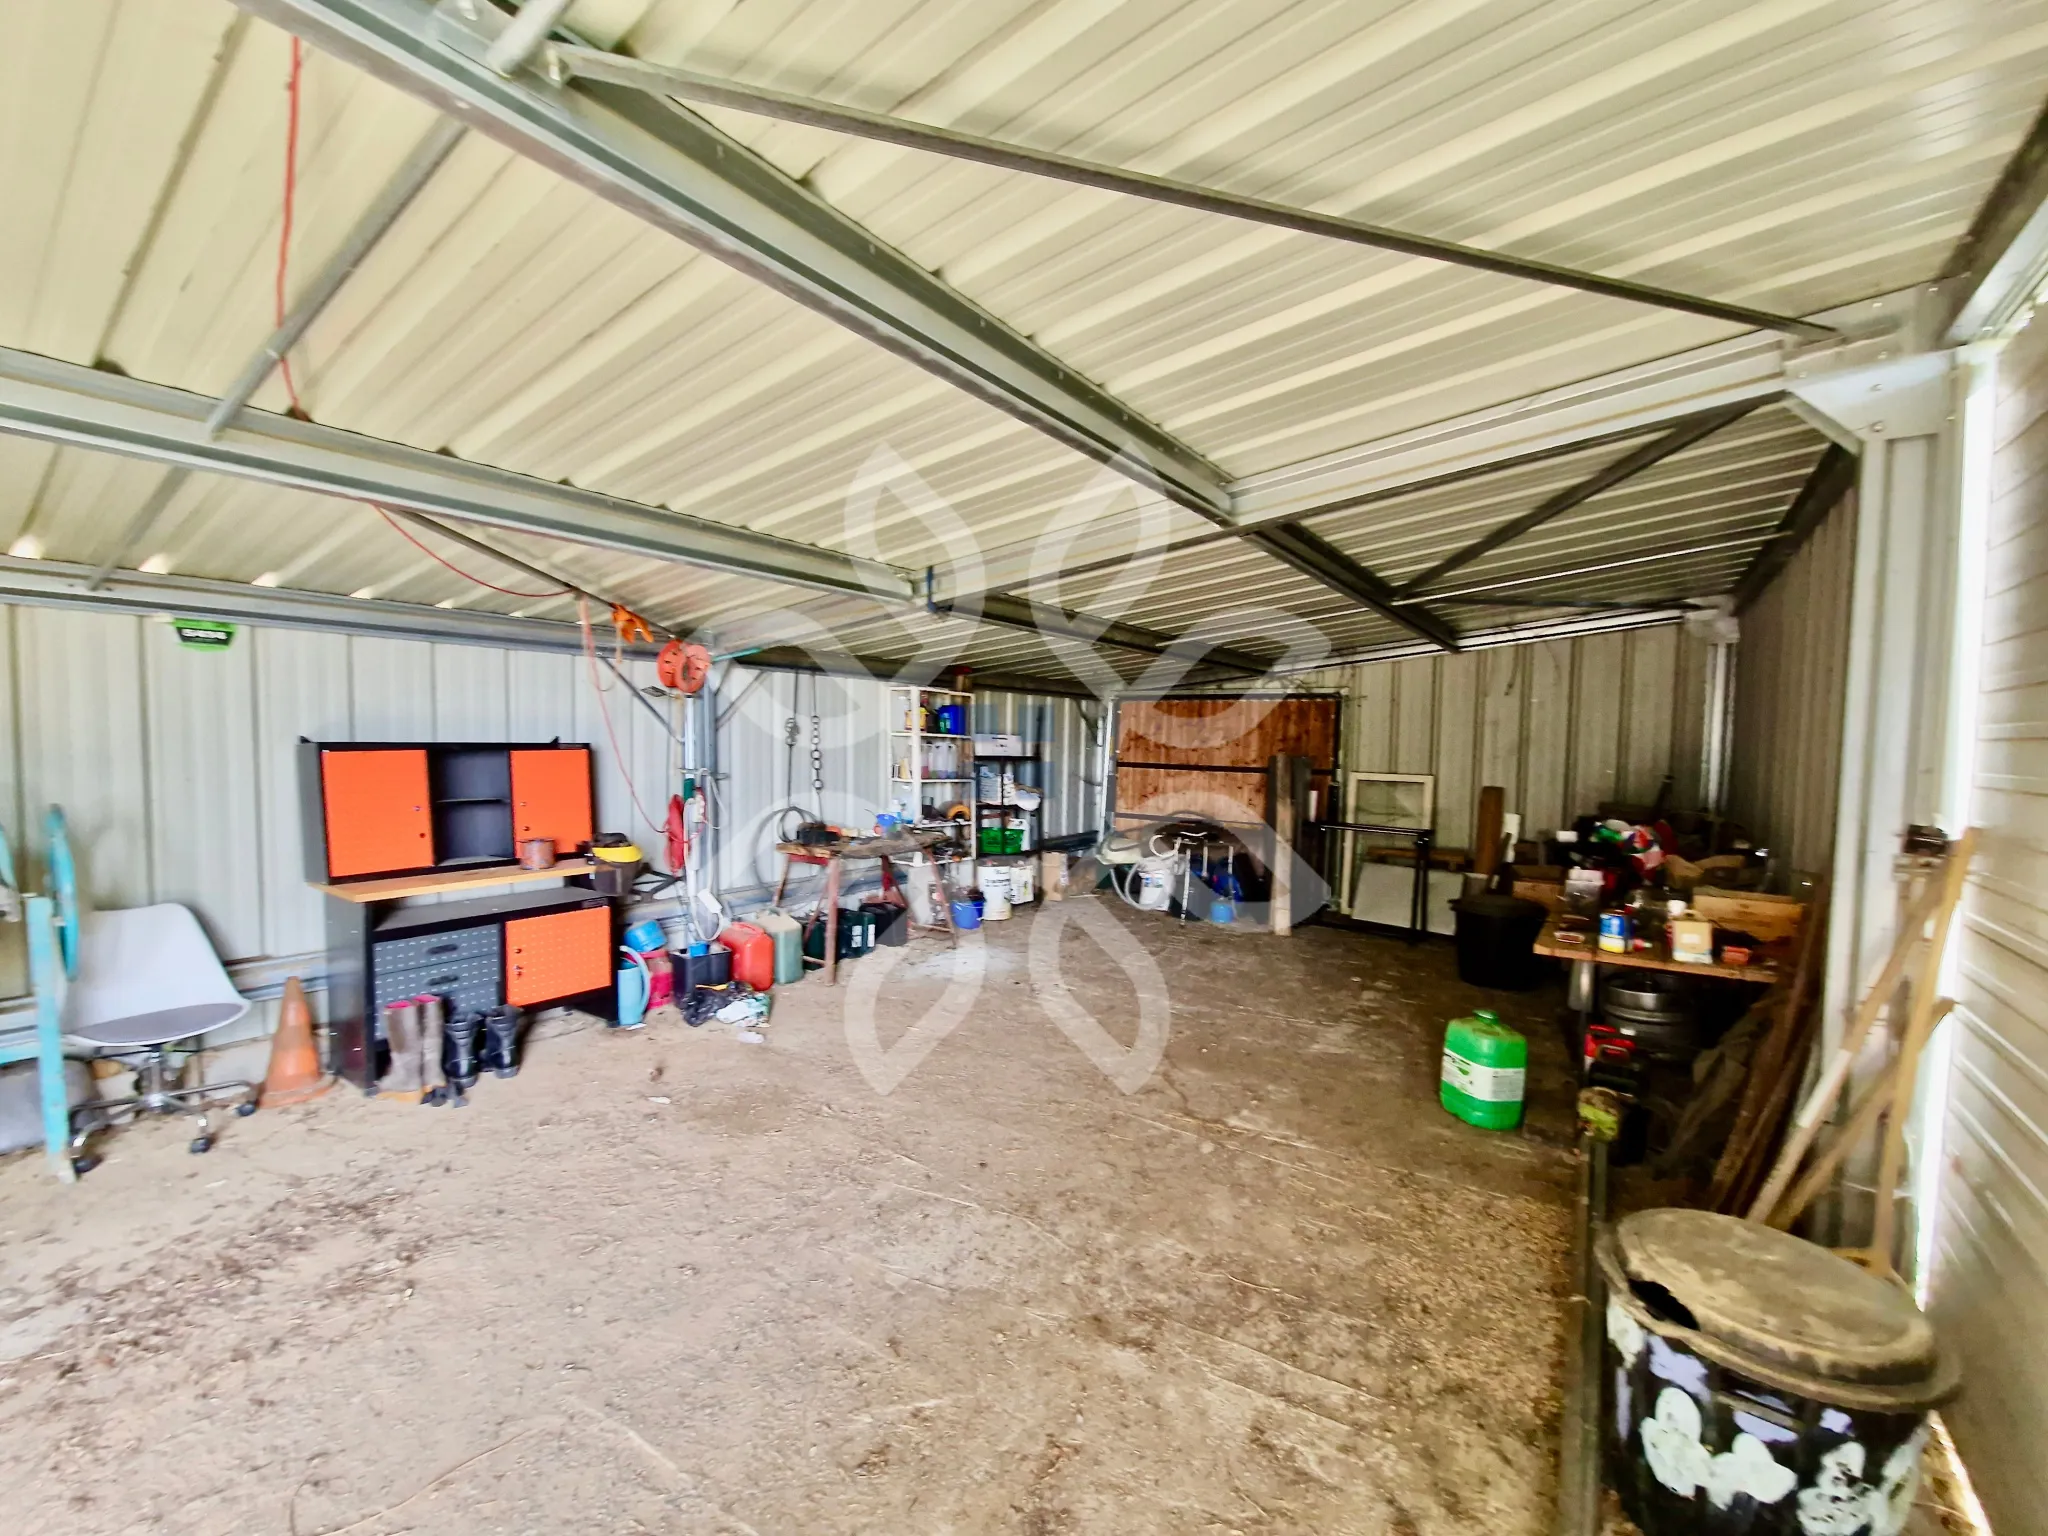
pixel 407 535
pixel 291 196
pixel 604 710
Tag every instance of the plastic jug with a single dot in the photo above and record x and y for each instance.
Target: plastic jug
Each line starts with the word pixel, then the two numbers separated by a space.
pixel 1484 1070
pixel 753 954
pixel 788 935
pixel 634 985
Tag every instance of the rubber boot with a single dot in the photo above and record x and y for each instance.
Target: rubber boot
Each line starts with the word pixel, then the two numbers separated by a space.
pixel 401 1080
pixel 500 1052
pixel 458 1053
pixel 433 1076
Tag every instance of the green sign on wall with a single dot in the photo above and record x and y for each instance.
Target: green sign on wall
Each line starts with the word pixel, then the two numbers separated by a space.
pixel 204 634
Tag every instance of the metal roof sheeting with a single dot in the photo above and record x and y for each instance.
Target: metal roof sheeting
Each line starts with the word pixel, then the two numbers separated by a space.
pixel 1798 154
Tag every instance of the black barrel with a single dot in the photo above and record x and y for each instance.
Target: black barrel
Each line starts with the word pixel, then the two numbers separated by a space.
pixel 1496 935
pixel 1757 1384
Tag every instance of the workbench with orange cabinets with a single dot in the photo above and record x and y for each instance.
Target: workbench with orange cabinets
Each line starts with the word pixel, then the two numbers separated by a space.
pixel 387 824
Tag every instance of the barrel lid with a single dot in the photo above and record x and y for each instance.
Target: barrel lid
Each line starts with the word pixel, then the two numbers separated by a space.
pixel 1779 1299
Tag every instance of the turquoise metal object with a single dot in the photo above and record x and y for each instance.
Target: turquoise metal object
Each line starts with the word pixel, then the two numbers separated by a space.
pixel 48 981
pixel 63 886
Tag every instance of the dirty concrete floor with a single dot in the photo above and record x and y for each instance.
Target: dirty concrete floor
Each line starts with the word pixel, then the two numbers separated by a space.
pixel 671 1281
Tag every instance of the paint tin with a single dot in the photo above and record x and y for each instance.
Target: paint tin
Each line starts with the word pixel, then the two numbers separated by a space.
pixel 1614 931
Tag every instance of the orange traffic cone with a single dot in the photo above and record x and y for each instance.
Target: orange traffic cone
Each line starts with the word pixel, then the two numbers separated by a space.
pixel 295 1074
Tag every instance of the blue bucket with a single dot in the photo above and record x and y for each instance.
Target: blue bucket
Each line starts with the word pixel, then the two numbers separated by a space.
pixel 645 937
pixel 966 914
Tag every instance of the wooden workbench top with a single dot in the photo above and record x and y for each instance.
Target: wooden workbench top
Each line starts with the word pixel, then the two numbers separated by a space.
pixel 469 879
pixel 1548 943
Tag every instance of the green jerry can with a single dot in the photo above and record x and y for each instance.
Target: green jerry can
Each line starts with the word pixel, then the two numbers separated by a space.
pixel 1485 1064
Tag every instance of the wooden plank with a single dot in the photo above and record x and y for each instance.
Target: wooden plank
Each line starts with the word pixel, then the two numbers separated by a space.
pixel 1769 918
pixel 398 886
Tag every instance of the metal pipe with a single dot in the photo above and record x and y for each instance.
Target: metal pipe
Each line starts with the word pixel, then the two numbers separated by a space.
pixel 526 32
pixel 687 85
pixel 376 222
pixel 1578 1465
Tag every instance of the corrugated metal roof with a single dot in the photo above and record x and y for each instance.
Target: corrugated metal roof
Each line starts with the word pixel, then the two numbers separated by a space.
pixel 1798 154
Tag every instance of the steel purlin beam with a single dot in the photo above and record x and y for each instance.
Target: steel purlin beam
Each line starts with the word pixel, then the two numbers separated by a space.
pixel 62 402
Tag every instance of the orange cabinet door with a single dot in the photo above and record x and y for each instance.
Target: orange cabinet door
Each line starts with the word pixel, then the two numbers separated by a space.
pixel 377 814
pixel 551 797
pixel 558 955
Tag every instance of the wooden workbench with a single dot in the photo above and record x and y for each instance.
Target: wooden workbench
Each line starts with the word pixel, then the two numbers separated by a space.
pixel 832 855
pixel 1548 943
pixel 439 882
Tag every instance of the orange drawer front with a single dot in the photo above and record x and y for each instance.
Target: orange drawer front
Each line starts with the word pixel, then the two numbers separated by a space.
pixel 558 955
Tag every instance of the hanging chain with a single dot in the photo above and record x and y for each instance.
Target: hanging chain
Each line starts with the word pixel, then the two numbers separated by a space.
pixel 817 766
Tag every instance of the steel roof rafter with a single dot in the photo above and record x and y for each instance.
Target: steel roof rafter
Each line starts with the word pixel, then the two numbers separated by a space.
pixel 1831 479
pixel 677 171
pixel 578 63
pixel 1316 557
pixel 1692 431
pixel 1044 619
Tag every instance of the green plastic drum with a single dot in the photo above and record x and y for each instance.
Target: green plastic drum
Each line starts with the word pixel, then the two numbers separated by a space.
pixel 1485 1064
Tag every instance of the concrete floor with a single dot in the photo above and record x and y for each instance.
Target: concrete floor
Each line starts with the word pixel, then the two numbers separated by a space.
pixel 674 1281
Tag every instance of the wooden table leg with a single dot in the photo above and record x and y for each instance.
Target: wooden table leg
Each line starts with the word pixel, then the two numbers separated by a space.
pixel 831 910
pixel 782 884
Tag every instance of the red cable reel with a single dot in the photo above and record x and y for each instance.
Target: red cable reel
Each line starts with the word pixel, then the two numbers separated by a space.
pixel 682 666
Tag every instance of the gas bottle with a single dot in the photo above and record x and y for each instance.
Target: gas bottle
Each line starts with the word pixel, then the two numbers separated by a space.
pixel 1485 1064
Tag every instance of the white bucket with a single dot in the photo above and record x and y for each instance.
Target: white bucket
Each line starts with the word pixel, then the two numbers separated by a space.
pixel 995 894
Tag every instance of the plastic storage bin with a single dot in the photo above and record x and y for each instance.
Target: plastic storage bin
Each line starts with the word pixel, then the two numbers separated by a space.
pixel 1494 937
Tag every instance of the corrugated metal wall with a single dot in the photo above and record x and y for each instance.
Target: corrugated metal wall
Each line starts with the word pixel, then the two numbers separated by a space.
pixel 1791 665
pixel 177 769
pixel 1560 725
pixel 1989 1272
pixel 178 772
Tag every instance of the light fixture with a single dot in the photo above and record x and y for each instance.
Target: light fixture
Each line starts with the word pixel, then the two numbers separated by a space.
pixel 27 547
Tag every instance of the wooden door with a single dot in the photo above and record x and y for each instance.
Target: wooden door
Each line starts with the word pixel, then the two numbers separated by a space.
pixel 551 797
pixel 378 819
pixel 558 955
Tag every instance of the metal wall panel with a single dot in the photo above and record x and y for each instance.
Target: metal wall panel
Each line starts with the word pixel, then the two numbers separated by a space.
pixel 1067 733
pixel 1988 1280
pixel 1561 725
pixel 1791 665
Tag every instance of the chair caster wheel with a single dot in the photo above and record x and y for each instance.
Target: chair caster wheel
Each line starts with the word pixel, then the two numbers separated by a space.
pixel 246 1107
pixel 200 1144
pixel 81 1166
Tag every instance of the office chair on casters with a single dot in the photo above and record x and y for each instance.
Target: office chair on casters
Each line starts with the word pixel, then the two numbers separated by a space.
pixel 147 979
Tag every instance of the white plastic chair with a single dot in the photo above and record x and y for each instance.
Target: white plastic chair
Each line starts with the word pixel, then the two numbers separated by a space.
pixel 147 979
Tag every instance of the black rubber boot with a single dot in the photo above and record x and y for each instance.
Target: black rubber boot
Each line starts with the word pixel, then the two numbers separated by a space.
pixel 500 1052
pixel 458 1053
